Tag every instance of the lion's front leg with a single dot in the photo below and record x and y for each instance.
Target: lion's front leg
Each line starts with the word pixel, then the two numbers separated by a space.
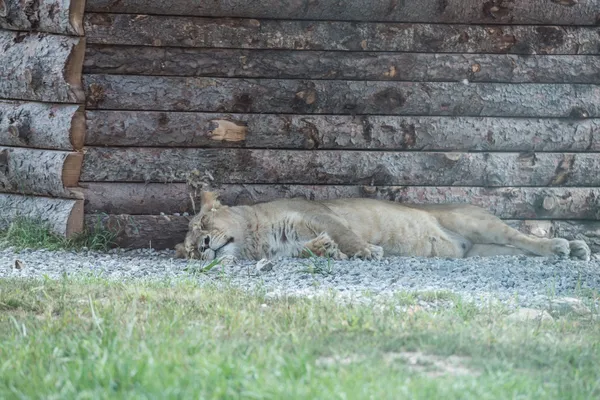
pixel 323 246
pixel 348 242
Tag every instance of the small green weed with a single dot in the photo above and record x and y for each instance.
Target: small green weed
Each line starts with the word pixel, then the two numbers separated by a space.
pixel 318 265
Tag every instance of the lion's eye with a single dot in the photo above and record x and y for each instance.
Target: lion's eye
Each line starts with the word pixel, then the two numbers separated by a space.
pixel 206 240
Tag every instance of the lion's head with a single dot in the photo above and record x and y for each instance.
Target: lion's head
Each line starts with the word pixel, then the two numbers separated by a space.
pixel 214 232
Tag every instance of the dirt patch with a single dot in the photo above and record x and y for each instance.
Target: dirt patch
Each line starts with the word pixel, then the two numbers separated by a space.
pixel 432 365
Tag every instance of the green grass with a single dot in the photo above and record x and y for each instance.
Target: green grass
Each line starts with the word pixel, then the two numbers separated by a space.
pixel 92 338
pixel 28 234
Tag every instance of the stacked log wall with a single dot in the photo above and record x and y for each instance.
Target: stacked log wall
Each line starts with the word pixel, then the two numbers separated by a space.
pixel 494 103
pixel 42 118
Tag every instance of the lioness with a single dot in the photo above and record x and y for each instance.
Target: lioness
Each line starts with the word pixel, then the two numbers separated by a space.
pixel 358 227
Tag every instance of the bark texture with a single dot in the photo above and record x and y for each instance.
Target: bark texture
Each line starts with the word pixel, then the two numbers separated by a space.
pixel 42 125
pixel 64 217
pixel 374 66
pixel 340 97
pixel 41 67
pixel 148 30
pixel 568 12
pixel 39 172
pixel 589 231
pixel 54 16
pixel 160 232
pixel 184 129
pixel 509 202
pixel 142 231
pixel 342 167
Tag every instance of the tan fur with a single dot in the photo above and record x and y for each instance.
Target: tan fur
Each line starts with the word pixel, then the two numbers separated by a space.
pixel 363 228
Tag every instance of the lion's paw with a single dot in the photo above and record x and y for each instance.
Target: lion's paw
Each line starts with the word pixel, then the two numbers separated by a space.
pixel 560 247
pixel 580 250
pixel 324 246
pixel 371 252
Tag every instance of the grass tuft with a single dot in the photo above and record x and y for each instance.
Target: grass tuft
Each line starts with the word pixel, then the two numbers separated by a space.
pixel 23 233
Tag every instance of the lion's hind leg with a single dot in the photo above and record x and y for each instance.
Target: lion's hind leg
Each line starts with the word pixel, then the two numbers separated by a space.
pixel 484 228
pixel 490 250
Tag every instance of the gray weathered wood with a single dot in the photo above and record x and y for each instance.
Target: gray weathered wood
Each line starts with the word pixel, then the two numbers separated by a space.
pixel 342 167
pixel 589 231
pixel 148 30
pixel 509 202
pixel 42 125
pixel 160 232
pixel 582 12
pixel 39 172
pixel 64 217
pixel 185 129
pixel 284 64
pixel 54 16
pixel 41 67
pixel 340 97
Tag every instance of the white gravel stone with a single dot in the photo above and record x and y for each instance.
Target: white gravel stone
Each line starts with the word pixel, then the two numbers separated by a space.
pixel 522 281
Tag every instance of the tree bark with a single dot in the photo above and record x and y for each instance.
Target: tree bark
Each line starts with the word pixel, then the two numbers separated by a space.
pixel 64 217
pixel 589 231
pixel 142 231
pixel 340 97
pixel 162 232
pixel 184 129
pixel 373 66
pixel 54 16
pixel 508 202
pixel 431 11
pixel 148 30
pixel 41 67
pixel 39 172
pixel 41 125
pixel 342 167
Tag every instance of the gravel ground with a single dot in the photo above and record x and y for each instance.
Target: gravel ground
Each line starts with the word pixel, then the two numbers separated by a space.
pixel 517 280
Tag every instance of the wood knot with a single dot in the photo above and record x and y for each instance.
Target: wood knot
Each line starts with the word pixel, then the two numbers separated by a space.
pixel 309 96
pixel 453 156
pixel 549 203
pixel 228 131
pixel 579 113
pixel 370 189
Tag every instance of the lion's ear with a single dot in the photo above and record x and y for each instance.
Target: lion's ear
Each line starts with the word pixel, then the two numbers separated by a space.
pixel 209 201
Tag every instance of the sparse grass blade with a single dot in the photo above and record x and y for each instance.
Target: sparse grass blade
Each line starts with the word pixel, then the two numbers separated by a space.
pixel 25 233
pixel 94 338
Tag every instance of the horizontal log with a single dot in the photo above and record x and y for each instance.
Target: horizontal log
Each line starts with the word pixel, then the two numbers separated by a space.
pixel 39 172
pixel 340 97
pixel 589 231
pixel 42 125
pixel 289 64
pixel 53 16
pixel 433 11
pixel 167 129
pixel 148 30
pixel 64 217
pixel 41 67
pixel 164 232
pixel 342 167
pixel 510 202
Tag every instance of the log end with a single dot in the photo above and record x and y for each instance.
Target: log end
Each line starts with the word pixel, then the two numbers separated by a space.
pixel 78 129
pixel 76 220
pixel 76 16
pixel 72 169
pixel 73 69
